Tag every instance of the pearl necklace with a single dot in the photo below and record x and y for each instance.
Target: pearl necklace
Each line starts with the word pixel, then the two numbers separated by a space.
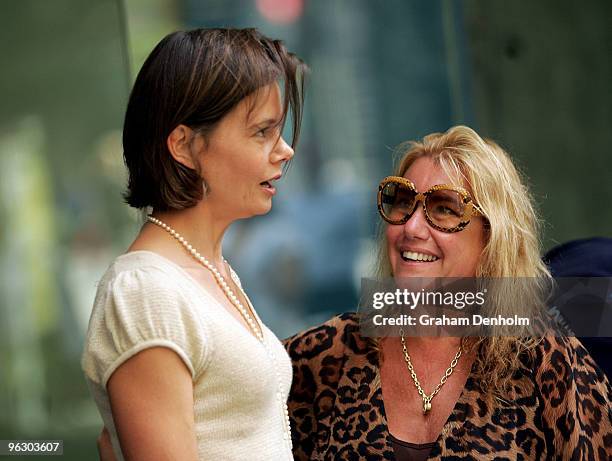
pixel 253 324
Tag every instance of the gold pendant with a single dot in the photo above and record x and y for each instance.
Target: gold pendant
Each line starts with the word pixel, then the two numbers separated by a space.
pixel 426 405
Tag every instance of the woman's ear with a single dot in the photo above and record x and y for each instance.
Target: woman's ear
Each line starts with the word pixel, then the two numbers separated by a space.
pixel 179 144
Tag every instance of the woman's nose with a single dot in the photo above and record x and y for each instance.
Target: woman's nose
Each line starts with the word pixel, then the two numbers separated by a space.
pixel 417 226
pixel 282 152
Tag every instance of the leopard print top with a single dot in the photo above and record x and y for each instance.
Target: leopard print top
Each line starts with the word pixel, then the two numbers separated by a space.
pixel 560 407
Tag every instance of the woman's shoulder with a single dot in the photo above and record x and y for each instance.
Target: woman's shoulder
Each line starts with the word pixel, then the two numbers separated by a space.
pixel 562 366
pixel 143 302
pixel 142 272
pixel 333 337
pixel 143 286
pixel 142 261
pixel 324 332
pixel 565 358
pixel 573 388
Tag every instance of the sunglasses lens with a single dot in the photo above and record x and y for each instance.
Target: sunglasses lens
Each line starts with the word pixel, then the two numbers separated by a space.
pixel 445 208
pixel 397 201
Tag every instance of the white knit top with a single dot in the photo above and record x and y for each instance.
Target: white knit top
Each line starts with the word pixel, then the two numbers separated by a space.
pixel 145 300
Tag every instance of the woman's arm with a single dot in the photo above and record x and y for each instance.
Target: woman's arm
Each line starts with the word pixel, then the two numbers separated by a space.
pixel 577 400
pixel 151 397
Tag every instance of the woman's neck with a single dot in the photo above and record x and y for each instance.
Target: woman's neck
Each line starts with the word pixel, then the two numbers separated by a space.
pixel 199 226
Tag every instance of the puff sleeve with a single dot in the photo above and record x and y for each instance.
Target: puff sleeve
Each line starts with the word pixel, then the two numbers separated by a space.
pixel 138 309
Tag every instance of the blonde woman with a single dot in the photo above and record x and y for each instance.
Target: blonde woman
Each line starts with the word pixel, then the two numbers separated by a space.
pixel 505 397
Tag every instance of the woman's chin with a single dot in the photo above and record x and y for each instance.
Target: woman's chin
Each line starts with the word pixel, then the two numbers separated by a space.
pixel 262 209
pixel 267 208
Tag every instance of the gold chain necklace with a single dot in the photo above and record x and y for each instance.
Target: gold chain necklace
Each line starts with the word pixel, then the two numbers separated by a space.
pixel 449 371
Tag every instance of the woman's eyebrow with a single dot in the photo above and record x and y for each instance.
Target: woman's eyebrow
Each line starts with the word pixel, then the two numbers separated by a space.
pixel 267 122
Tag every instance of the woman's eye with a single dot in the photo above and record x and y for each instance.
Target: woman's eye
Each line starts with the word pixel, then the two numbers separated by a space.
pixel 441 209
pixel 262 132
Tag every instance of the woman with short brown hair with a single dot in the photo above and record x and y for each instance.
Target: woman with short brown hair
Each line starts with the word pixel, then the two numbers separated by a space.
pixel 179 363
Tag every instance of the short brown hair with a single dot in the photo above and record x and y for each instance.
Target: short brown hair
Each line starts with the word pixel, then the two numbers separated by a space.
pixel 195 78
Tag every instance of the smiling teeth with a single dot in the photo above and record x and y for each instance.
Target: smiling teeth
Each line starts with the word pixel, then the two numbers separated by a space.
pixel 414 256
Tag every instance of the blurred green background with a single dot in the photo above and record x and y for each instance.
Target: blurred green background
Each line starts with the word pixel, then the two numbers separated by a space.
pixel 534 76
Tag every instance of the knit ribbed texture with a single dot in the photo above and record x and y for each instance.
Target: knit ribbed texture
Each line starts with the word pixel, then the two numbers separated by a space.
pixel 143 301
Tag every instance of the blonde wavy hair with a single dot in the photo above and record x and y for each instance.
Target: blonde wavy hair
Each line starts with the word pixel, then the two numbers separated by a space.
pixel 512 247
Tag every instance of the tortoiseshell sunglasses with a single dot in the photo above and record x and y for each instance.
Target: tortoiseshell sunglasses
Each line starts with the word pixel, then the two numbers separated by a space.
pixel 447 208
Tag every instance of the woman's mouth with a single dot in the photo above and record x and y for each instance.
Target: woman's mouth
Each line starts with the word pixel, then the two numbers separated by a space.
pixel 414 256
pixel 268 187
